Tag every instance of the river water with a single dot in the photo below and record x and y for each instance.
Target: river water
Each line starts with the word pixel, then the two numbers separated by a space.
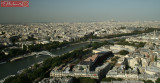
pixel 11 68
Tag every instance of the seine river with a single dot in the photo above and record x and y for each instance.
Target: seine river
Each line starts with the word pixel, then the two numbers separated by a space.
pixel 11 68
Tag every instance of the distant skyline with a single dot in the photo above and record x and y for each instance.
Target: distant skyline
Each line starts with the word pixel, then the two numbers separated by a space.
pixel 82 11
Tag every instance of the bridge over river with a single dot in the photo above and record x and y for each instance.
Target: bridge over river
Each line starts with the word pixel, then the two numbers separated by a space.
pixel 44 53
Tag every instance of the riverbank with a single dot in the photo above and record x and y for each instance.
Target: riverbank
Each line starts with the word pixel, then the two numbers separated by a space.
pixel 21 57
pixel 80 43
pixel 3 62
pixel 2 80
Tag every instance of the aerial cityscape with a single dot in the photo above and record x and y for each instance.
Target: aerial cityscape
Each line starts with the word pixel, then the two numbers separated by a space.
pixel 80 42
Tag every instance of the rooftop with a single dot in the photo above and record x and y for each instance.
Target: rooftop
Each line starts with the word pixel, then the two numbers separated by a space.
pixel 92 58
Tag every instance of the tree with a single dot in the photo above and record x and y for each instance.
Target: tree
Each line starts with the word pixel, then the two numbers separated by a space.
pixel 158 80
pixel 122 27
pixel 18 79
pixel 15 52
pixel 84 80
pixel 123 52
pixel 14 39
pixel 2 56
pixel 155 58
pixel 109 79
pixel 141 44
pixel 148 81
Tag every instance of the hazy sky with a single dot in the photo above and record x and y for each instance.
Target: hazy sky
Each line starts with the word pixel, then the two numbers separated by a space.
pixel 83 11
